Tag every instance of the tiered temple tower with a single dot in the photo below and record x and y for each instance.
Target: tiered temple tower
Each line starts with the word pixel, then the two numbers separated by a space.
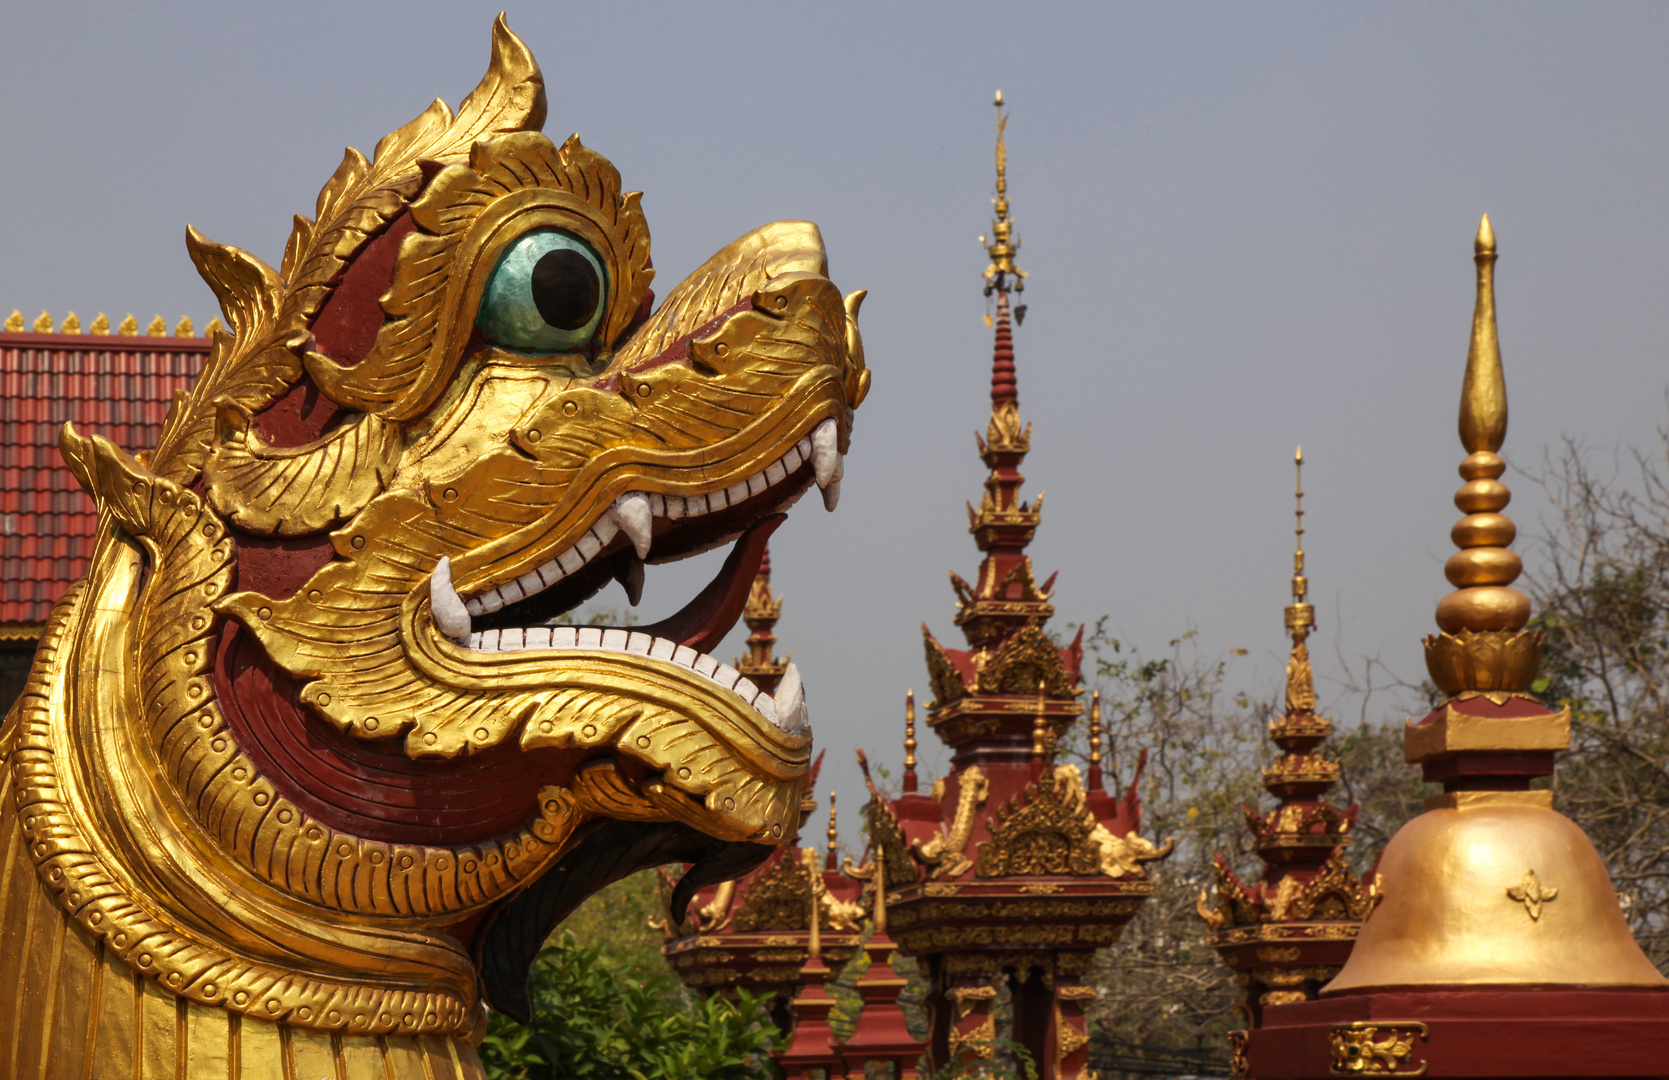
pixel 1013 870
pixel 1291 930
pixel 1499 949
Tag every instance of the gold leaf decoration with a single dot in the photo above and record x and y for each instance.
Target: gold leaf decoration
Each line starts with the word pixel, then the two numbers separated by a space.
pixel 295 491
pixel 129 326
pixel 236 369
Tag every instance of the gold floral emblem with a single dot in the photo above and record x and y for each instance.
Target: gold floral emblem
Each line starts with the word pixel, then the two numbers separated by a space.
pixel 1533 894
pixel 1376 1048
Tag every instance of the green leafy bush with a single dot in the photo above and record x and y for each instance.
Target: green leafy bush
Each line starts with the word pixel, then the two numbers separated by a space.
pixel 591 1022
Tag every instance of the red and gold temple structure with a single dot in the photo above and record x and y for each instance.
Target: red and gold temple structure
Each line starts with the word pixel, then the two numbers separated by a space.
pixel 1289 932
pixel 1499 948
pixel 754 933
pixel 1013 870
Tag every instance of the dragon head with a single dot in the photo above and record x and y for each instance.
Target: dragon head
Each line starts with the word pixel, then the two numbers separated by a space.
pixel 322 636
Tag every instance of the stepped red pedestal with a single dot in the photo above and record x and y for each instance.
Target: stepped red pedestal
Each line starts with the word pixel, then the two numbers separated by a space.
pixel 882 1035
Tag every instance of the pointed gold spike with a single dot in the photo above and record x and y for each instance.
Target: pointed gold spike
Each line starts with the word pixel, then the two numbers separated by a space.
pixel 1483 394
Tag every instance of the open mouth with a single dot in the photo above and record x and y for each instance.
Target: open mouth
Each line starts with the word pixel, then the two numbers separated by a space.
pixel 526 612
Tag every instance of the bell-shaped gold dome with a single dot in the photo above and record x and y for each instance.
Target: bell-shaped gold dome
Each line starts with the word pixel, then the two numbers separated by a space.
pixel 1494 896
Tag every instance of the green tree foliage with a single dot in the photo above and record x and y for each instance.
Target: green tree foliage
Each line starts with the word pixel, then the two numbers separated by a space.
pixel 593 1022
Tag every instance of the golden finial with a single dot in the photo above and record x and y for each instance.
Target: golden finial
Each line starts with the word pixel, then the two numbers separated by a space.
pixel 1095 730
pixel 214 325
pixel 814 947
pixel 834 832
pixel 1300 615
pixel 1483 393
pixel 72 324
pixel 129 326
pixel 1040 730
pixel 1484 568
pixel 14 322
pixel 43 323
pixel 910 729
pixel 100 327
pixel 158 328
pixel 879 877
pixel 183 328
pixel 1002 246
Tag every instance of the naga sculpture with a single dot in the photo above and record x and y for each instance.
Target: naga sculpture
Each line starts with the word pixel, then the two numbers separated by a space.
pixel 307 766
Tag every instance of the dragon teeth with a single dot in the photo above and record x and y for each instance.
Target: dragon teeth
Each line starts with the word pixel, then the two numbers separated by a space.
pixel 450 613
pixel 785 710
pixel 826 460
pixel 633 514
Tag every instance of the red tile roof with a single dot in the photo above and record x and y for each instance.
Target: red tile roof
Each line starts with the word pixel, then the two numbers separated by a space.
pixel 118 387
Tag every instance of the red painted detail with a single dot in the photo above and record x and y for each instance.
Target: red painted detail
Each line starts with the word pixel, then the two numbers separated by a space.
pixel 679 350
pixel 301 415
pixel 1489 770
pixel 276 567
pixel 346 327
pixel 1511 708
pixel 118 387
pixel 372 790
pixel 1552 1031
pixel 1004 386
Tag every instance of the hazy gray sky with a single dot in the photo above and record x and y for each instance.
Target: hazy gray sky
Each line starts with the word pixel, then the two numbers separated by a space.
pixel 1247 226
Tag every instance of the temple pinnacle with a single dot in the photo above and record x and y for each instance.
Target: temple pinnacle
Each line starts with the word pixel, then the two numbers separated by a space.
pixel 1484 568
pixel 1002 275
pixel 1483 395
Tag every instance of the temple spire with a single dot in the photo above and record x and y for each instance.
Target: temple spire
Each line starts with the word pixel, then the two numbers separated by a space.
pixel 1006 598
pixel 830 863
pixel 910 742
pixel 1484 569
pixel 1002 275
pixel 1300 614
pixel 761 664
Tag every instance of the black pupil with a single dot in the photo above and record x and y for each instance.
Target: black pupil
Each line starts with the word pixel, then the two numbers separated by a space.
pixel 565 287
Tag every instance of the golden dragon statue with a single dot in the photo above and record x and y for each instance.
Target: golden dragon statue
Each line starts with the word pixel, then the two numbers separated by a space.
pixel 308 764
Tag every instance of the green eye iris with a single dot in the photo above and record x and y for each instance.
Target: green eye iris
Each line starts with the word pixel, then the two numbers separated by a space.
pixel 546 295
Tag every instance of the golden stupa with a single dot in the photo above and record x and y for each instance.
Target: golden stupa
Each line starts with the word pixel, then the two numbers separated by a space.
pixel 1490 886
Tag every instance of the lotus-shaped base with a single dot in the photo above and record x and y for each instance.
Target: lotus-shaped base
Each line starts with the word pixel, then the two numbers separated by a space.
pixel 1499 660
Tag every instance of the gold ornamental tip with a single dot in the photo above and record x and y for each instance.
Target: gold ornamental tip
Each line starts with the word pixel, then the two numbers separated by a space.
pixel 1484 568
pixel 999 101
pixel 1486 238
pixel 1483 395
pixel 1300 614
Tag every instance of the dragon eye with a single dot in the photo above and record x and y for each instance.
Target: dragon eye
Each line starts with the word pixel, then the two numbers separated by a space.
pixel 546 295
